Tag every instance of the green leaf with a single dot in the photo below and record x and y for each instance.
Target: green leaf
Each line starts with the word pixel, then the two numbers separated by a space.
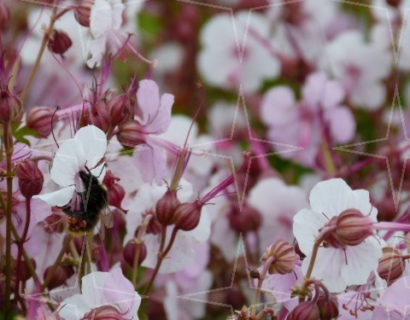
pixel 20 134
pixel 149 23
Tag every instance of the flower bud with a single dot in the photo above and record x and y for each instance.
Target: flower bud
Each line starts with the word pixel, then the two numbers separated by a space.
pixel 166 206
pixel 391 265
pixel 83 11
pixel 244 220
pixel 30 178
pixel 106 312
pixel 130 134
pixel 10 107
pixel 393 3
pixel 352 227
pixel 25 272
pixel 120 109
pixel 40 120
pixel 116 192
pixel 285 257
pixel 4 15
pixel 305 311
pixel 97 115
pixel 129 252
pixel 59 42
pixel 59 277
pixel 187 215
pixel 328 306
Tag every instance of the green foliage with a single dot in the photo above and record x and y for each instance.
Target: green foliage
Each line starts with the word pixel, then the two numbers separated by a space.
pixel 21 133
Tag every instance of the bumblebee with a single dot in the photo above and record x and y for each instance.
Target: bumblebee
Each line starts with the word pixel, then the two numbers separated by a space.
pixel 92 205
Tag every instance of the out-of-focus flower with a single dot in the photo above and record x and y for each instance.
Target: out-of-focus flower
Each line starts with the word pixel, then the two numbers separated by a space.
pixel 85 150
pixel 225 61
pixel 338 265
pixel 102 289
pixel 308 122
pixel 361 68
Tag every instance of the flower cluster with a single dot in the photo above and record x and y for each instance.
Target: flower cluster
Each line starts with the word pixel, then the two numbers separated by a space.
pixel 215 159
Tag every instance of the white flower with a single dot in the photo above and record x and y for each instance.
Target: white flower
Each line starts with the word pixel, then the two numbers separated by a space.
pixel 85 150
pixel 342 266
pixel 227 62
pixel 102 289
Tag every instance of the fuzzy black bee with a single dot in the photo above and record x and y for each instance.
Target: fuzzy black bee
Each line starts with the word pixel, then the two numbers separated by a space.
pixel 92 203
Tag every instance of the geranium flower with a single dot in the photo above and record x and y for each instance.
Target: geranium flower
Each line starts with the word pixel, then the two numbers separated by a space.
pixel 337 265
pixel 84 151
pixel 108 292
pixel 227 62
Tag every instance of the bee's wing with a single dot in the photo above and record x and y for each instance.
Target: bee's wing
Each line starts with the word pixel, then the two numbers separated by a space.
pixel 107 217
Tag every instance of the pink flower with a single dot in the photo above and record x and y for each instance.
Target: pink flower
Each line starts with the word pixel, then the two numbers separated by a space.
pixel 99 289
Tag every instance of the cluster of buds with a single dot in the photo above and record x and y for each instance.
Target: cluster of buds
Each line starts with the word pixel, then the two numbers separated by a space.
pixel 30 178
pixel 322 306
pixel 350 228
pixel 282 257
pixel 39 119
pixel 391 265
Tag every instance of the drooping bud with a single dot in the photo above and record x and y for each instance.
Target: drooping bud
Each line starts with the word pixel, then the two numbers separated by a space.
pixel 130 134
pixel 328 306
pixel 4 15
pixel 116 192
pixel 129 252
pixel 284 257
pixel 10 107
pixel 83 11
pixel 39 119
pixel 391 265
pixel 30 178
pixel 352 227
pixel 59 277
pixel 120 109
pixel 305 311
pixel 59 42
pixel 393 3
pixel 245 219
pixel 166 206
pixel 187 215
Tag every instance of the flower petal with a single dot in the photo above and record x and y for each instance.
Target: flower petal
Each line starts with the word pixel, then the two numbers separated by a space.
pixel 57 198
pixel 74 308
pixel 93 142
pixel 148 100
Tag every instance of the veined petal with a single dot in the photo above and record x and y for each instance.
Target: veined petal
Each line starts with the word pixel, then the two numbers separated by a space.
pixel 148 100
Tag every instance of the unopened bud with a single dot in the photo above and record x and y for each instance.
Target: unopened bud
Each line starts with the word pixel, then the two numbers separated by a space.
pixel 130 250
pixel 352 227
pixel 59 42
pixel 40 120
pixel 166 206
pixel 30 178
pixel 187 215
pixel 4 15
pixel 25 273
pixel 116 192
pixel 59 277
pixel 244 220
pixel 10 107
pixel 120 109
pixel 83 11
pixel 391 265
pixel 284 257
pixel 393 3
pixel 305 311
pixel 97 115
pixel 130 134
pixel 328 306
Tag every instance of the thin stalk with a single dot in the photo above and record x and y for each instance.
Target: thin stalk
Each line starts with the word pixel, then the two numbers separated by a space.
pixel 139 241
pixel 262 276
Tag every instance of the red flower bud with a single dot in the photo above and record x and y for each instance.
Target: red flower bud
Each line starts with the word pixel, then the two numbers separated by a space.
pixel 166 206
pixel 4 15
pixel 10 107
pixel 352 227
pixel 244 220
pixel 59 42
pixel 30 178
pixel 393 3
pixel 82 12
pixel 120 109
pixel 59 277
pixel 328 306
pixel 39 119
pixel 391 265
pixel 116 192
pixel 305 311
pixel 285 257
pixel 129 252
pixel 130 134
pixel 25 272
pixel 98 115
pixel 187 215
